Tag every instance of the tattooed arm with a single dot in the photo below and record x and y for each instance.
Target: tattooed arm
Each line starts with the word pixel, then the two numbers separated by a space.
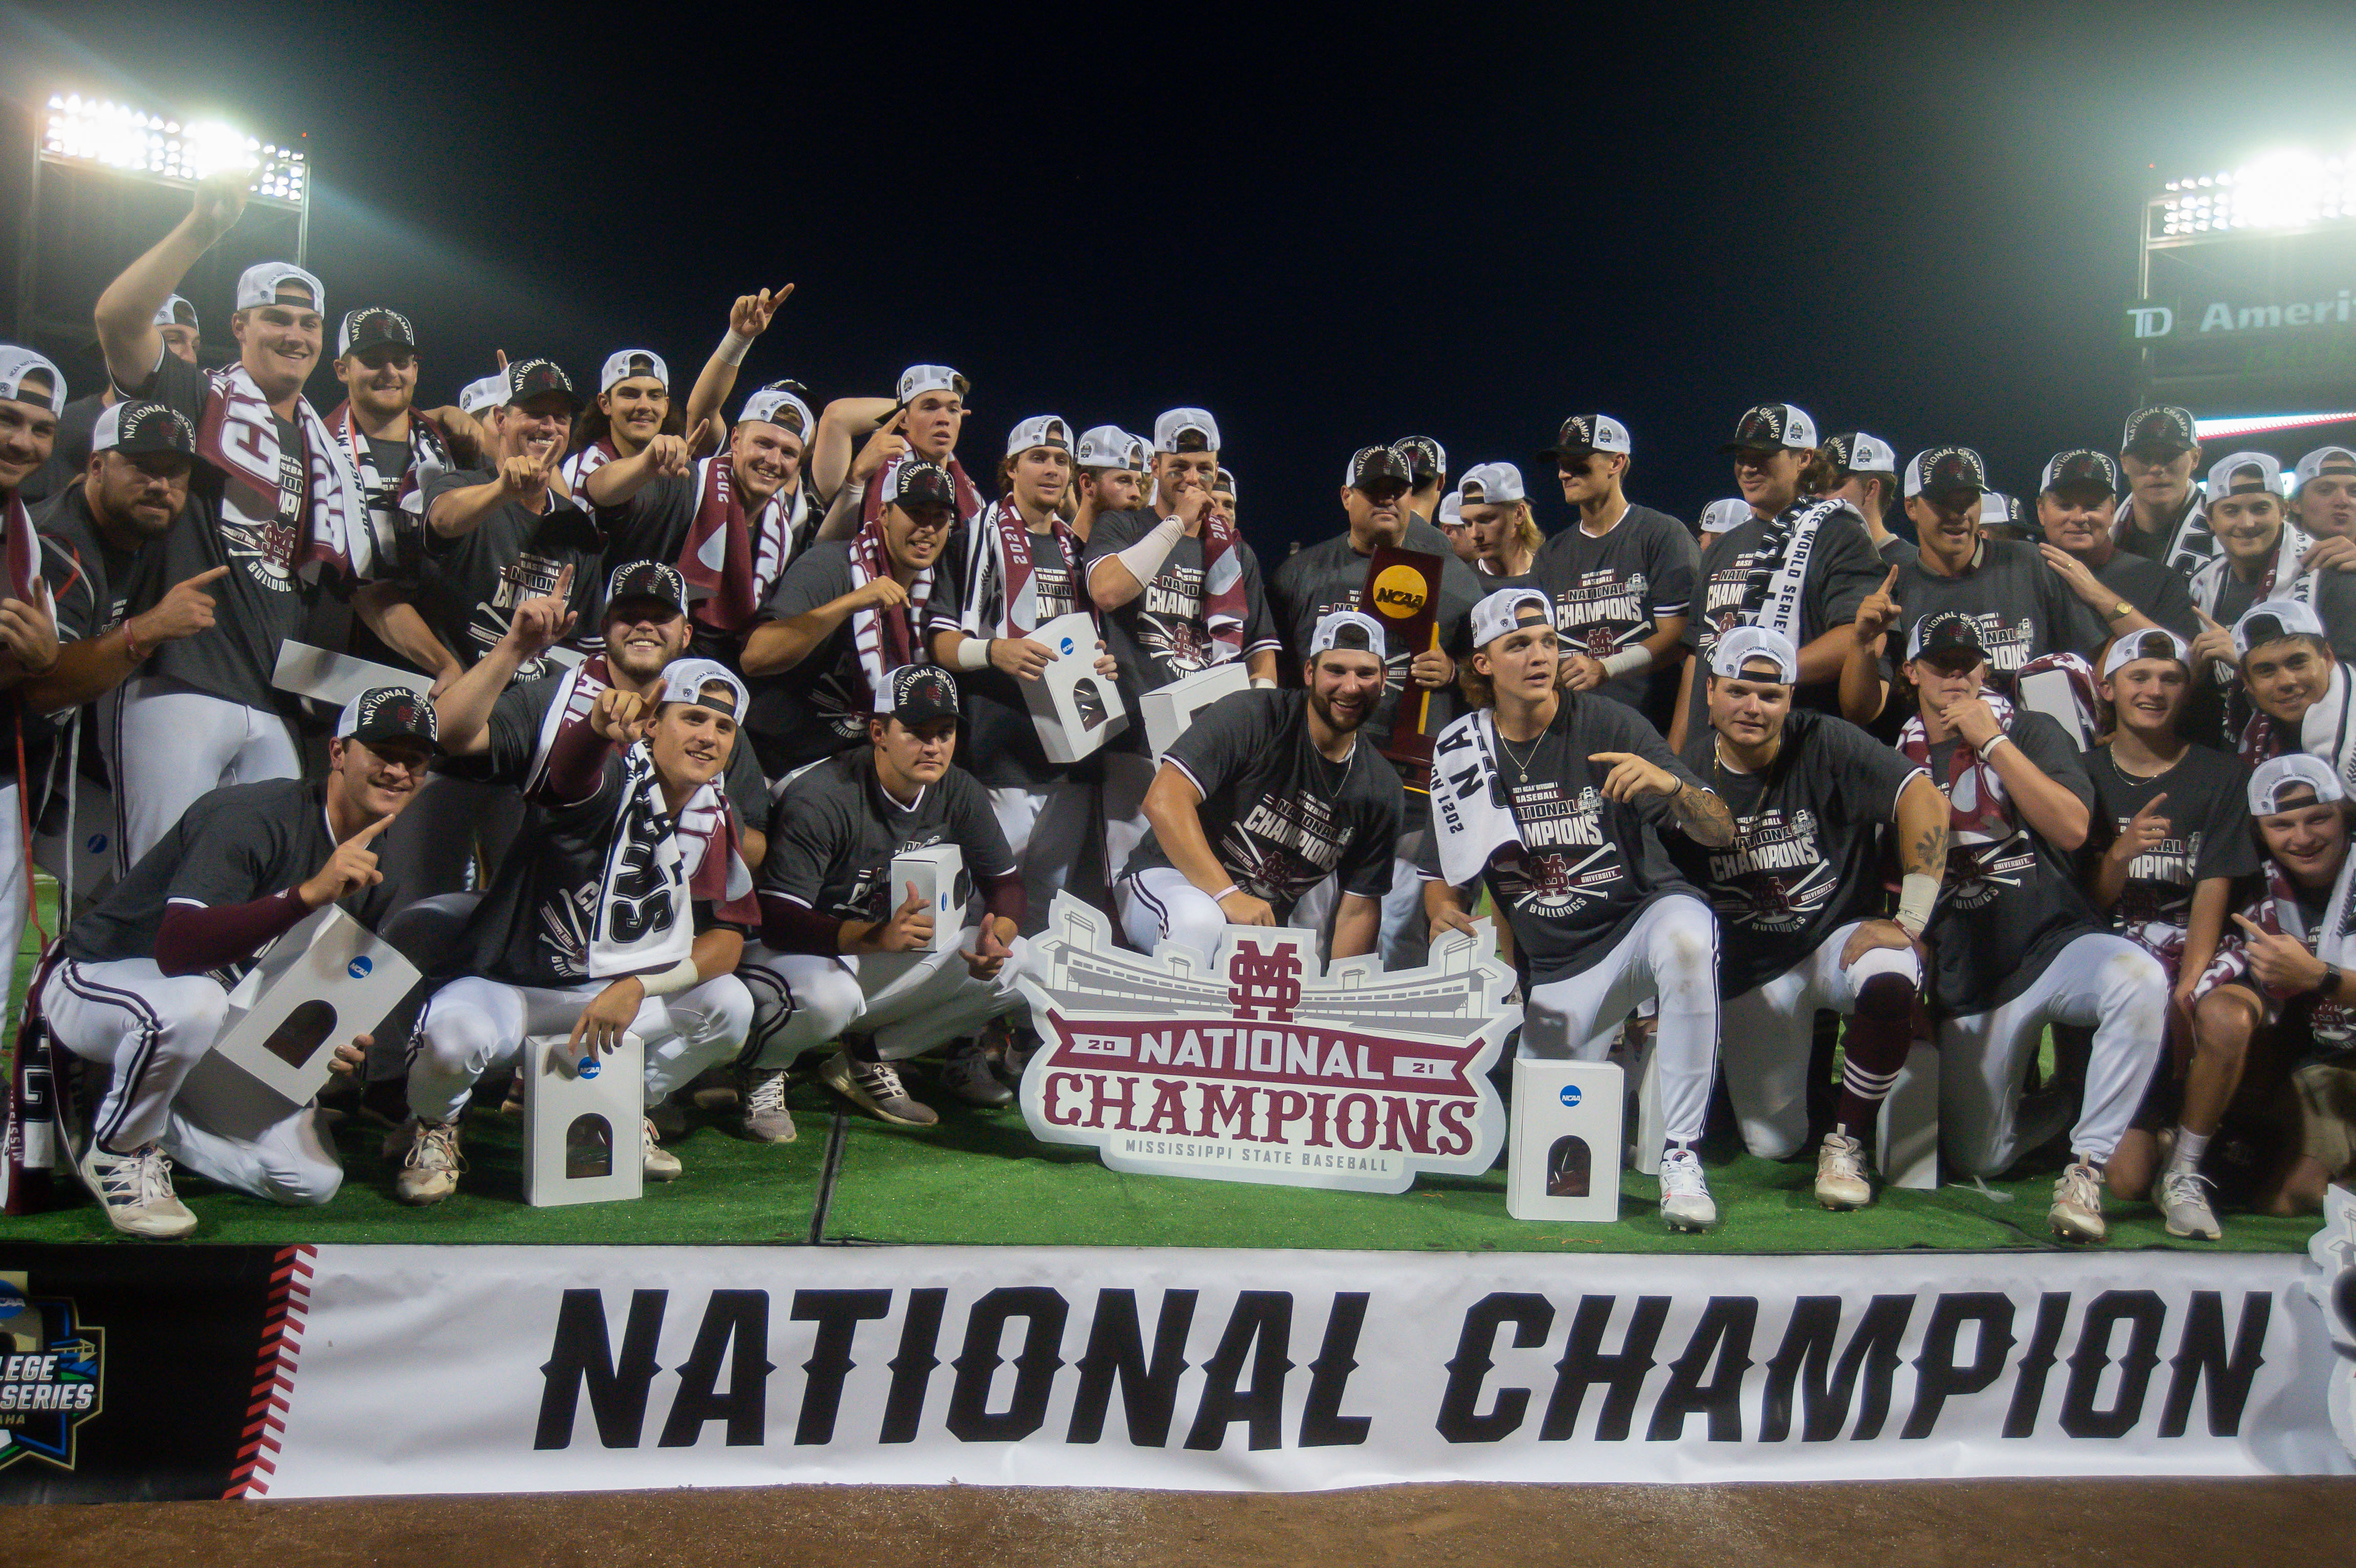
pixel 1922 822
pixel 1697 812
pixel 1702 816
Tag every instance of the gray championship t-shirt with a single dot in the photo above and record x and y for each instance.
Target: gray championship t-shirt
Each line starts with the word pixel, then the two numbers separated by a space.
pixel 1159 636
pixel 1610 593
pixel 2022 608
pixel 1805 860
pixel 472 583
pixel 2207 813
pixel 821 705
pixel 835 831
pixel 1842 569
pixel 1000 744
pixel 1279 814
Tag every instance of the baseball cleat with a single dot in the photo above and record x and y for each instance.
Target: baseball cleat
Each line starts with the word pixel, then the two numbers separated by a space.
pixel 2077 1211
pixel 658 1163
pixel 2184 1199
pixel 135 1190
pixel 1841 1181
pixel 766 1120
pixel 429 1170
pixel 875 1087
pixel 967 1076
pixel 1685 1203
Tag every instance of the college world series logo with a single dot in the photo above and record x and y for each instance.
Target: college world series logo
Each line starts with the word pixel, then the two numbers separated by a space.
pixel 50 1374
pixel 1249 1064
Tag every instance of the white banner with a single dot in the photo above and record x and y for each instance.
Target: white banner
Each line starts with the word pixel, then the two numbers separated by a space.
pixel 427 1370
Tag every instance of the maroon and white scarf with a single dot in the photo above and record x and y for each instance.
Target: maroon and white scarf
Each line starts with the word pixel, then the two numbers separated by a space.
pixel 1977 810
pixel 587 461
pixel 239 436
pixel 381 498
pixel 1003 592
pixel 1224 603
pixel 732 560
pixel 711 851
pixel 23 543
pixel 2276 911
pixel 2191 540
pixel 886 638
pixel 2327 730
pixel 870 505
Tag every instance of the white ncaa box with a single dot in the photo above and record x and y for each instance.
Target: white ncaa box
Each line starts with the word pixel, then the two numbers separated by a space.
pixel 1169 709
pixel 938 872
pixel 583 1134
pixel 324 981
pixel 337 678
pixel 1562 1158
pixel 89 857
pixel 1075 710
pixel 2049 692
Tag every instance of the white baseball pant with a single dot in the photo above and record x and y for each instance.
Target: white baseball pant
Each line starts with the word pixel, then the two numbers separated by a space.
pixel 1405 938
pixel 1669 953
pixel 2099 980
pixel 1769 1030
pixel 1159 905
pixel 12 874
pixel 473 1025
pixel 907 1003
pixel 1048 831
pixel 147 1028
pixel 172 746
pixel 227 1128
pixel 1127 777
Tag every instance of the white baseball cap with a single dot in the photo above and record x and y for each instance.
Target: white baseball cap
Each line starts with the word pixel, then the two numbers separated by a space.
pixel 2136 646
pixel 1110 446
pixel 1502 612
pixel 2272 777
pixel 1857 452
pixel 1347 629
pixel 1223 483
pixel 259 286
pixel 1946 468
pixel 1738 646
pixel 2272 619
pixel 16 363
pixel 1039 430
pixel 487 393
pixel 2322 459
pixel 918 380
pixel 2224 475
pixel 684 681
pixel 1451 509
pixel 175 311
pixel 1490 485
pixel 625 363
pixel 1173 425
pixel 764 407
pixel 1725 515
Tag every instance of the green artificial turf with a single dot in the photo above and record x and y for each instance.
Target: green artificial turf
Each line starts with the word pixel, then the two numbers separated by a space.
pixel 980 1179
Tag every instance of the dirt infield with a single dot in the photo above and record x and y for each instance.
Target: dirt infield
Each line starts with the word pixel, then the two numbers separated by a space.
pixel 1968 1524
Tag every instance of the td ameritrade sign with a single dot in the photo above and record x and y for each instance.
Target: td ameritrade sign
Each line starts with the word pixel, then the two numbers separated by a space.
pixel 1252 1064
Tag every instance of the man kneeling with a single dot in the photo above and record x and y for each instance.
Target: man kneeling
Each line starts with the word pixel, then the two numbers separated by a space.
pixel 845 955
pixel 133 990
pixel 607 916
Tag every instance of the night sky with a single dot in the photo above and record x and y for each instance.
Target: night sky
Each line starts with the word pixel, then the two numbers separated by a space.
pixel 1460 220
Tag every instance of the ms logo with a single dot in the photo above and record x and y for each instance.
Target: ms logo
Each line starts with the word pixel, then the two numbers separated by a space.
pixel 1264 984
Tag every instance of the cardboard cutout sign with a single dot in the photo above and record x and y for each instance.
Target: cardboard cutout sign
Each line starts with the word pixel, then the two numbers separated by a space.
pixel 1075 710
pixel 1168 710
pixel 327 979
pixel 337 678
pixel 1251 1065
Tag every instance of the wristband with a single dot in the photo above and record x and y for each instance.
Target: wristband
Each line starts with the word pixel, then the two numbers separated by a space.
pixel 1144 557
pixel 1223 893
pixel 1628 661
pixel 1988 750
pixel 733 349
pixel 1918 891
pixel 973 654
pixel 1261 683
pixel 131 644
pixel 678 978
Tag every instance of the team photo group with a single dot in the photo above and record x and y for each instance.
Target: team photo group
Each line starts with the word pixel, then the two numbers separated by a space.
pixel 1873 756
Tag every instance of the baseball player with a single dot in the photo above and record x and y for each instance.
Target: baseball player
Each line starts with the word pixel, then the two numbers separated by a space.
pixel 1798 897
pixel 850 956
pixel 131 989
pixel 1428 467
pixel 2292 962
pixel 1500 530
pixel 1180 591
pixel 1112 464
pixel 2170 840
pixel 845 615
pixel 2163 518
pixel 176 322
pixel 32 393
pixel 2324 496
pixel 1862 470
pixel 623 909
pixel 1798 569
pixel 2304 697
pixel 729 520
pixel 2016 946
pixel 277 502
pixel 1556 801
pixel 1265 795
pixel 2076 498
pixel 1323 578
pixel 1621 578
pixel 923 422
pixel 1020 571
pixel 1222 491
pixel 632 408
pixel 1720 517
pixel 1450 522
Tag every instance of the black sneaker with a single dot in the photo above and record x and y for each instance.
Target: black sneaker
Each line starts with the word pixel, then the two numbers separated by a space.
pixel 875 1087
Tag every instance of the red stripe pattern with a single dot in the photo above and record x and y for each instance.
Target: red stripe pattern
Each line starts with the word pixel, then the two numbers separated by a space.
pixel 274 1374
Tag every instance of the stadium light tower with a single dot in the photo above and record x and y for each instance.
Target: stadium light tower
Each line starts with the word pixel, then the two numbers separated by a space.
pixel 77 137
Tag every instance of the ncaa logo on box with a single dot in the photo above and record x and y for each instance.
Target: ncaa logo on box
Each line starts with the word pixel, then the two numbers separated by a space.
pixel 358 967
pixel 1569 1095
pixel 1065 647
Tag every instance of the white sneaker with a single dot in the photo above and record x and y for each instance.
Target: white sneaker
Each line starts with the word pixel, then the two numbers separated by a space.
pixel 2077 1211
pixel 966 1073
pixel 658 1162
pixel 1841 1180
pixel 766 1120
pixel 1685 1203
pixel 135 1190
pixel 2184 1199
pixel 429 1170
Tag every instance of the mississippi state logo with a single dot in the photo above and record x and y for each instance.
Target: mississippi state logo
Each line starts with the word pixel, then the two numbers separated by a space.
pixel 1249 1064
pixel 51 1374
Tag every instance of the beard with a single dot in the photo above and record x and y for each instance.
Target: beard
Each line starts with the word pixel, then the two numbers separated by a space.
pixel 1340 723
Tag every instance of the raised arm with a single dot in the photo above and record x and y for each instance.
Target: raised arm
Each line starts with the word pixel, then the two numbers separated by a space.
pixel 462 709
pixel 843 423
pixel 125 315
pixel 747 319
